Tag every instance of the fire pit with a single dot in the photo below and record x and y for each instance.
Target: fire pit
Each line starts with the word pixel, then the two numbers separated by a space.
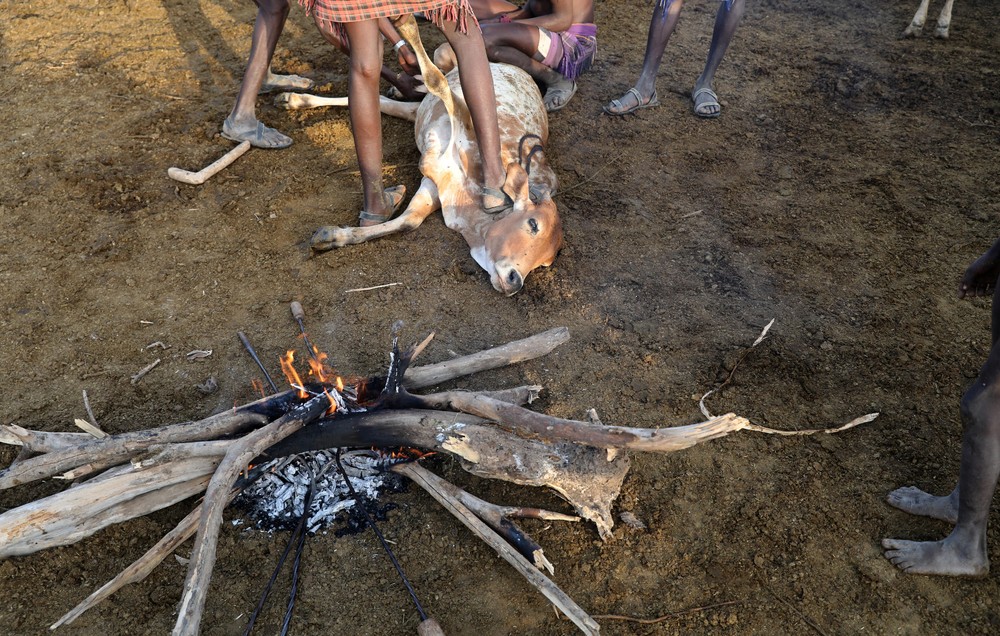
pixel 245 450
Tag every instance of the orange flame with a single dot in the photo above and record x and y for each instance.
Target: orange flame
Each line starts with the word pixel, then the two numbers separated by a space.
pixel 258 387
pixel 287 362
pixel 317 370
pixel 317 365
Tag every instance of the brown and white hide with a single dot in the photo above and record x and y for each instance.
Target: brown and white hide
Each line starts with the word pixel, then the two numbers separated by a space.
pixel 507 246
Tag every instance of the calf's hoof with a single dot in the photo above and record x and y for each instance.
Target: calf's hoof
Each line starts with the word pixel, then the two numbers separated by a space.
pixel 328 237
pixel 290 101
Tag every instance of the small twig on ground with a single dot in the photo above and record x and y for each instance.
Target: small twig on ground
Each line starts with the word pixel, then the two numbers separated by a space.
pixel 760 338
pixel 864 419
pixel 89 428
pixel 90 411
pixel 987 124
pixel 361 289
pixel 794 609
pixel 419 348
pixel 665 617
pixel 590 178
pixel 143 371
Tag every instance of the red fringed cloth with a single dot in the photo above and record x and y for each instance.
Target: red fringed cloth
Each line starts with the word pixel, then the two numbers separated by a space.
pixel 437 11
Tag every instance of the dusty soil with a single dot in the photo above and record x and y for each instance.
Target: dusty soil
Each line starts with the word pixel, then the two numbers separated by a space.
pixel 849 181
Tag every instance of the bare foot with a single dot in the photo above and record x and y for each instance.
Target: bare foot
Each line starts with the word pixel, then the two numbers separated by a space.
pixel 981 277
pixel 947 558
pixel 917 502
pixel 274 82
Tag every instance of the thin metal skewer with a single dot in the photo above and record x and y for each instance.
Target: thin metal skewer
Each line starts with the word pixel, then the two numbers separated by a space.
pixel 299 314
pixel 253 354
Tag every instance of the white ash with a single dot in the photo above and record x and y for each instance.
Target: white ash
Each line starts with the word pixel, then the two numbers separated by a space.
pixel 275 501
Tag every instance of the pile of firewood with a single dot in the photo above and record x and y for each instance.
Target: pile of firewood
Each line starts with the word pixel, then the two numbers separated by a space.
pixel 120 477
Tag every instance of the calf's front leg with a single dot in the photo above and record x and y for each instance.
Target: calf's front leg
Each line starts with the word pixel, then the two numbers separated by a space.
pixel 917 24
pixel 422 205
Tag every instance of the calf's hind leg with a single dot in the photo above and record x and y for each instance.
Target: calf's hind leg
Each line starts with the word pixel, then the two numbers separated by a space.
pixel 422 205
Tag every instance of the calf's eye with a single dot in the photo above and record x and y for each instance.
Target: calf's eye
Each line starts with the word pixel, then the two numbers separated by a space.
pixel 533 224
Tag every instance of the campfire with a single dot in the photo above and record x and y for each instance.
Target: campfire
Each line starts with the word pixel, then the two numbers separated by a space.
pixel 280 455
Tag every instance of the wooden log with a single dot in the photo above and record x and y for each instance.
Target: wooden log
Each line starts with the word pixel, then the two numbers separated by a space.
pixel 585 476
pixel 433 485
pixel 140 569
pixel 513 352
pixel 498 518
pixel 41 441
pixel 155 454
pixel 119 448
pixel 239 455
pixel 73 514
pixel 545 428
pixel 64 453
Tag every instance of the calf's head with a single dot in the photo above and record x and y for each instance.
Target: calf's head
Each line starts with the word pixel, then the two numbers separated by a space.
pixel 528 237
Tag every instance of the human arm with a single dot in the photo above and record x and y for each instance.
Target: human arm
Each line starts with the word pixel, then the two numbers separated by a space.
pixel 560 16
pixel 407 59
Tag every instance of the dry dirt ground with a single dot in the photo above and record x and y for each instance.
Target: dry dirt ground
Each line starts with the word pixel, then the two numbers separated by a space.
pixel 849 181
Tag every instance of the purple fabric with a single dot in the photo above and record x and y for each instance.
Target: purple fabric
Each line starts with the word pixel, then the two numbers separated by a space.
pixel 579 44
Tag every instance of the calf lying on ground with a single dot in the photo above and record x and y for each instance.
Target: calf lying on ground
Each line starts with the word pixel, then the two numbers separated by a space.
pixel 508 246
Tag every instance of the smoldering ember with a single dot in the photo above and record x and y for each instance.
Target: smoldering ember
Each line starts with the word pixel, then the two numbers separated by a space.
pixel 282 454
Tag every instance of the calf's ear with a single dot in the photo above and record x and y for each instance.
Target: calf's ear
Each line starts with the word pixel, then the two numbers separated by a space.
pixel 516 184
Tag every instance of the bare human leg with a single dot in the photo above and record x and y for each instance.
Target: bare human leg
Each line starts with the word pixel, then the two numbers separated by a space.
pixel 643 95
pixel 242 123
pixel 366 120
pixel 410 88
pixel 963 552
pixel 727 20
pixel 477 86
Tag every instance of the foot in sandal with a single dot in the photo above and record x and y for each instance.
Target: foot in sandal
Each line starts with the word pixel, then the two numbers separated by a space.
pixel 254 131
pixel 633 100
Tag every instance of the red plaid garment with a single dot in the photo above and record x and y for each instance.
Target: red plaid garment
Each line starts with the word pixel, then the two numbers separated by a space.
pixel 437 11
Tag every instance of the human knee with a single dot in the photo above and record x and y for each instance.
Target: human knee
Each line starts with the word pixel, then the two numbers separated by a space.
pixel 494 51
pixel 368 70
pixel 980 408
pixel 277 8
pixel 734 7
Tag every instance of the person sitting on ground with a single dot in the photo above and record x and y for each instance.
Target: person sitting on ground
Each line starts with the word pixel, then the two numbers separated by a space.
pixel 665 15
pixel 358 24
pixel 553 40
pixel 242 123
pixel 963 552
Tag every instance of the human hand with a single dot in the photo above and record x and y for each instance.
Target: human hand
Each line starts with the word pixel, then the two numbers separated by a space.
pixel 411 87
pixel 407 58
